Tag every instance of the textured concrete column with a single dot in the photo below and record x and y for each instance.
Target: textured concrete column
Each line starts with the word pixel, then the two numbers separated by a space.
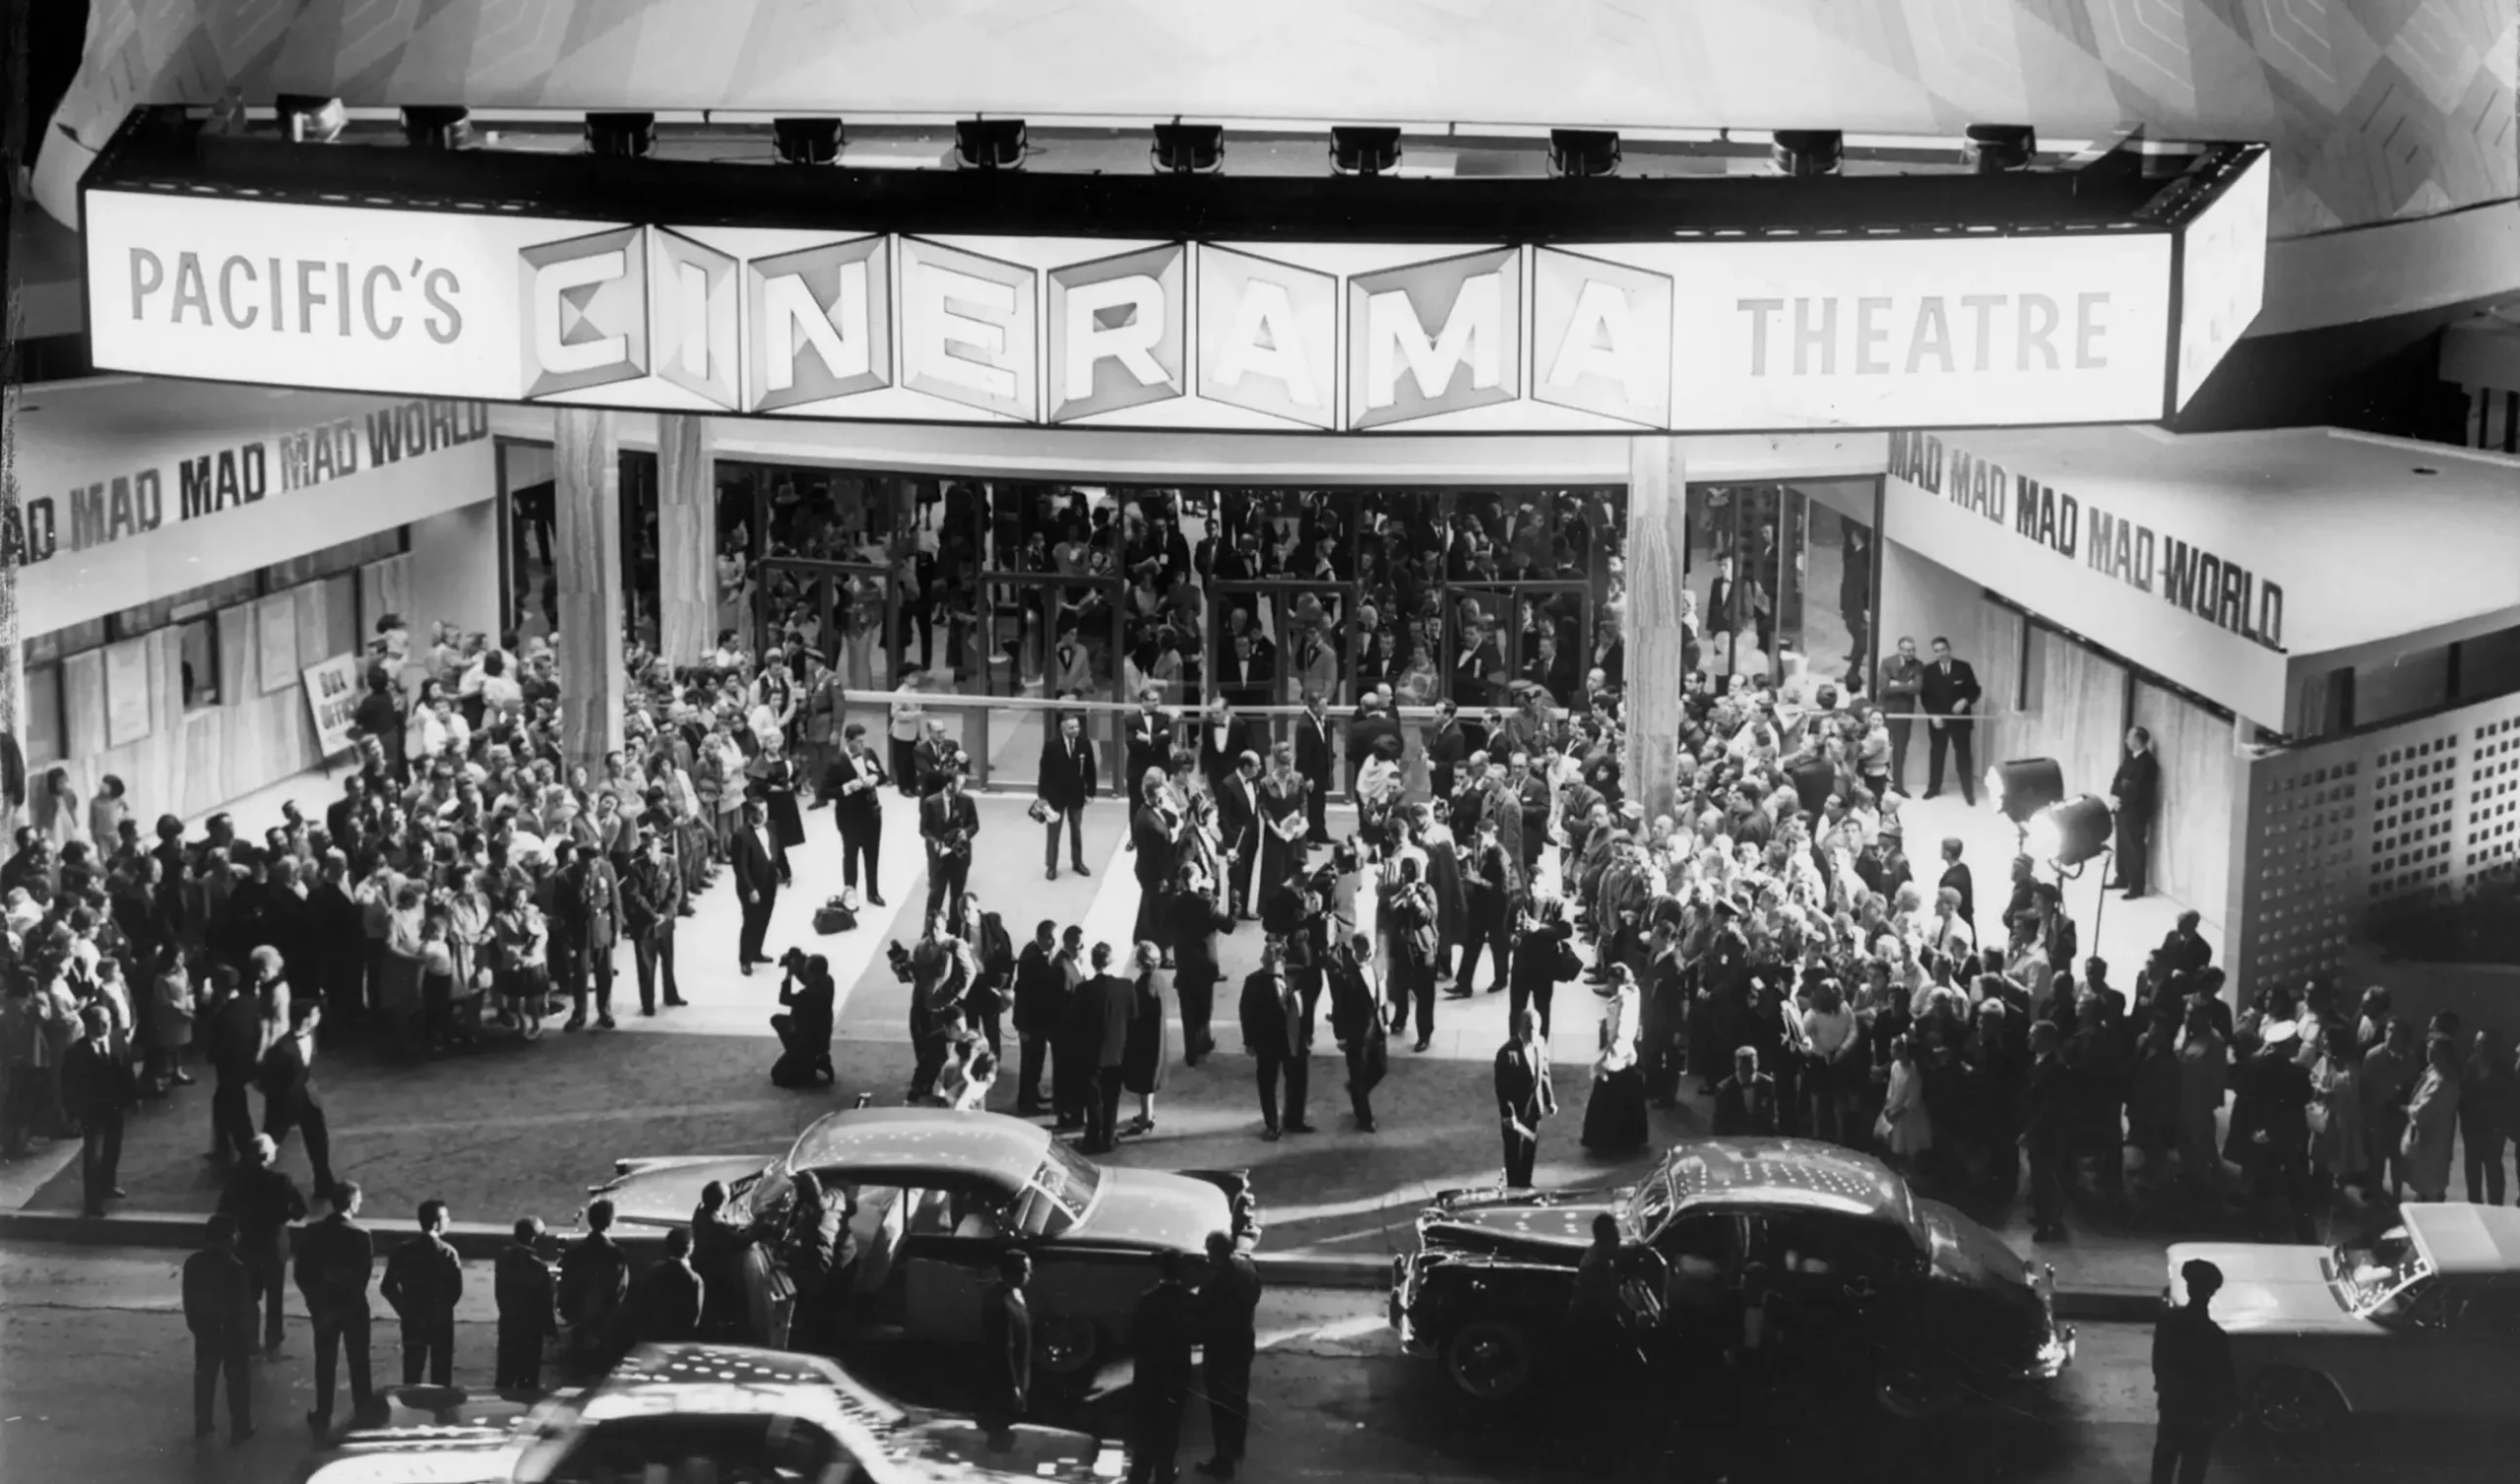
pixel 1656 549
pixel 686 536
pixel 586 472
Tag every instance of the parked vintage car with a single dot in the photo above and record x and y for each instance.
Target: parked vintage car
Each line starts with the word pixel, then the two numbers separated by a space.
pixel 2423 1320
pixel 720 1412
pixel 1945 1307
pixel 940 1195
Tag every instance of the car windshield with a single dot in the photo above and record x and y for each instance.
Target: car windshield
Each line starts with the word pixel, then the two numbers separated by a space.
pixel 681 1447
pixel 1057 1197
pixel 2377 1281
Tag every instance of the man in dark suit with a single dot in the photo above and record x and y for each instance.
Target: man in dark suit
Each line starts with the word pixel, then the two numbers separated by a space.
pixel 1229 1311
pixel 586 903
pixel 263 1201
pixel 290 1100
pixel 1900 696
pixel 1525 1096
pixel 347 816
pixel 1065 782
pixel 671 1295
pixel 1098 1034
pixel 1006 1346
pixel 1949 691
pixel 594 1290
pixel 1239 825
pixel 338 936
pixel 717 1246
pixel 97 1088
pixel 1273 1028
pixel 1163 1331
pixel 1149 737
pixel 529 1311
pixel 1446 746
pixel 424 1281
pixel 1040 1006
pixel 1956 877
pixel 949 822
pixel 651 903
pixel 2135 792
pixel 335 1262
pixel 1224 739
pixel 1154 855
pixel 760 869
pixel 219 1310
pixel 1312 761
pixel 854 786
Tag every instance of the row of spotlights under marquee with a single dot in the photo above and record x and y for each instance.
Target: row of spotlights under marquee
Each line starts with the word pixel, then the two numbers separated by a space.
pixel 1179 148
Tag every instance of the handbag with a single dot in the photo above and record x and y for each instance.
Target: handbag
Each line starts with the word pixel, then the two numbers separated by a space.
pixel 838 916
pixel 1037 812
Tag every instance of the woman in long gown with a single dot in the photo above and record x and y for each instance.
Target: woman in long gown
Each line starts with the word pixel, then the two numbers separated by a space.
pixel 2335 1113
pixel 1282 809
pixel 1614 1114
pixel 2204 1076
pixel 774 783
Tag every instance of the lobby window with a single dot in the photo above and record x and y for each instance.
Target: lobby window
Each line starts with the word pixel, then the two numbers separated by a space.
pixel 44 734
pixel 198 645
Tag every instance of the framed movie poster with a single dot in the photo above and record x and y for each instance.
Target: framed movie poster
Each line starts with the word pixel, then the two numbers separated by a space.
pixel 126 692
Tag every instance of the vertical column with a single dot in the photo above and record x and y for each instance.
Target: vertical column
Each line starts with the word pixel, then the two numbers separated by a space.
pixel 686 537
pixel 1657 551
pixel 586 459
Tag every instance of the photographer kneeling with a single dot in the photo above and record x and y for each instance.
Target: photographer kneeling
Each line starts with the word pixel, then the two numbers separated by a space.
pixel 805 1031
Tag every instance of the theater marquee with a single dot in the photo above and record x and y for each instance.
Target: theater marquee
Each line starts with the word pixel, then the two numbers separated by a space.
pixel 1692 334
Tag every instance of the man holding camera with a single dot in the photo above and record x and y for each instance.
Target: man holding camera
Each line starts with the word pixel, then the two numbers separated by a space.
pixel 804 1033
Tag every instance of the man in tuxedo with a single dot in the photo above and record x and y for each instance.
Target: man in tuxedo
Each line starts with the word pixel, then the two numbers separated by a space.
pixel 760 865
pixel 1238 823
pixel 335 1262
pixel 1477 660
pixel 1446 746
pixel 1274 1030
pixel 1525 1096
pixel 337 935
pixel 1153 855
pixel 1065 782
pixel 1040 1006
pixel 1149 737
pixel 287 1079
pixel 934 757
pixel 1949 691
pixel 1312 761
pixel 2135 793
pixel 949 822
pixel 1224 740
pixel 97 1088
pixel 1097 1034
pixel 853 785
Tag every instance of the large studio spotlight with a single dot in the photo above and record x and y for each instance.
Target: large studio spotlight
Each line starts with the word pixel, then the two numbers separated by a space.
pixel 1358 151
pixel 2024 786
pixel 433 128
pixel 990 144
pixel 1583 153
pixel 623 136
pixel 305 119
pixel 1799 153
pixel 1188 148
pixel 2066 835
pixel 1993 149
pixel 805 141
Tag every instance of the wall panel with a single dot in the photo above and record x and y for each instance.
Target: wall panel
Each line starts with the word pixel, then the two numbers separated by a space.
pixel 2202 775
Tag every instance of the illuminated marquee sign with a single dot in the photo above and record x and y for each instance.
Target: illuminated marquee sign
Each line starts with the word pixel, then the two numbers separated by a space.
pixel 1698 334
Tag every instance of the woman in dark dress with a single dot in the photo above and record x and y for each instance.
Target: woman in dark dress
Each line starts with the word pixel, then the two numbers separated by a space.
pixel 1148 1052
pixel 1282 811
pixel 774 783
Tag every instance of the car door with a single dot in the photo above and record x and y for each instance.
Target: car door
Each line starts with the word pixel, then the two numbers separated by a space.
pixel 1702 1252
pixel 952 1232
pixel 2452 1352
pixel 1839 1279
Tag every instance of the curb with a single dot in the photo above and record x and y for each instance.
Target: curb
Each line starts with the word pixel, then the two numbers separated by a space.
pixel 484 1240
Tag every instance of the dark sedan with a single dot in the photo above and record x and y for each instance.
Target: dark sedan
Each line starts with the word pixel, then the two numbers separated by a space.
pixel 1944 1306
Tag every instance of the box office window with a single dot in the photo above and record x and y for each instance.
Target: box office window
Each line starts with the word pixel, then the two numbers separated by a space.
pixel 198 645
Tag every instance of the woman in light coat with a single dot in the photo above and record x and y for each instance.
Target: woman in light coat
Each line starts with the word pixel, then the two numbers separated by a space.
pixel 2433 1123
pixel 2204 1077
pixel 1904 1127
pixel 1614 1121
pixel 2336 1111
pixel 52 807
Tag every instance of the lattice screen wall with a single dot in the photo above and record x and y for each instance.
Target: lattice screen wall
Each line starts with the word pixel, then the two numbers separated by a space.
pixel 2337 828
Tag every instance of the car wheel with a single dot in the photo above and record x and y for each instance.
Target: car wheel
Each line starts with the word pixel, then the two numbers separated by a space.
pixel 1490 1359
pixel 1911 1393
pixel 1067 1349
pixel 2293 1403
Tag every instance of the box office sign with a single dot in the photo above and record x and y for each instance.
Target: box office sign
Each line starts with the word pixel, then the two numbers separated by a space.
pixel 1685 335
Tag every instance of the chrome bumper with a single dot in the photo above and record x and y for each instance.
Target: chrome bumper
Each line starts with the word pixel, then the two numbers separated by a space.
pixel 1402 1275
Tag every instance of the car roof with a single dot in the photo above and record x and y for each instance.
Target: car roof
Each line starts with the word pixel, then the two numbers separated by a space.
pixel 990 1145
pixel 1801 1173
pixel 2459 1239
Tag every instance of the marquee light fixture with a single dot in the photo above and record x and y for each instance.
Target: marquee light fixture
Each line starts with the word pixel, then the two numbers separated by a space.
pixel 1583 153
pixel 1801 152
pixel 2025 785
pixel 2068 833
pixel 434 128
pixel 990 144
pixel 1359 151
pixel 306 119
pixel 1188 148
pixel 622 136
pixel 807 141
pixel 1993 149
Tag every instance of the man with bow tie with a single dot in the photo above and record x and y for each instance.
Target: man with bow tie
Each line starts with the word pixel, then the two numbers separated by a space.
pixel 1313 761
pixel 1071 667
pixel 1276 1032
pixel 1150 736
pixel 1066 781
